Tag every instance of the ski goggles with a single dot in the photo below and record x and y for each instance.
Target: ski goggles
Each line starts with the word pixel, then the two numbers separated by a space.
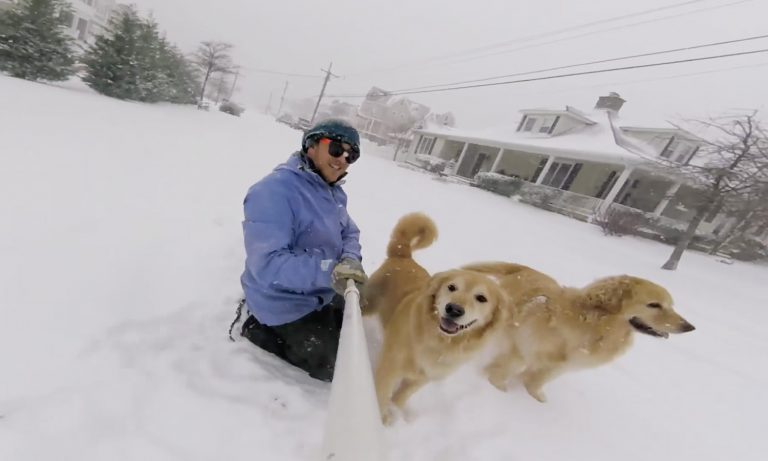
pixel 336 149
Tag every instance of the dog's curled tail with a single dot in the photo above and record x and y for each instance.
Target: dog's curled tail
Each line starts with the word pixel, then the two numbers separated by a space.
pixel 412 232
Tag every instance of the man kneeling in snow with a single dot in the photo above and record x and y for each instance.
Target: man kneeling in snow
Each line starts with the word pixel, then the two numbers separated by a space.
pixel 301 248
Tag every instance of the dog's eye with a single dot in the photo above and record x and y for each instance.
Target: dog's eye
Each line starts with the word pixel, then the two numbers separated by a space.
pixel 481 298
pixel 654 305
pixel 452 287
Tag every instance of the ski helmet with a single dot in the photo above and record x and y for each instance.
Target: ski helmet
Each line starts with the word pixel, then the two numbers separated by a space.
pixel 332 128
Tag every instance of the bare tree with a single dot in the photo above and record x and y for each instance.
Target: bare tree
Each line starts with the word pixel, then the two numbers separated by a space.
pixel 734 164
pixel 212 58
pixel 751 216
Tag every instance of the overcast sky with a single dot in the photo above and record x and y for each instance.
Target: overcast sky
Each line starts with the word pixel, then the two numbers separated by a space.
pixel 396 44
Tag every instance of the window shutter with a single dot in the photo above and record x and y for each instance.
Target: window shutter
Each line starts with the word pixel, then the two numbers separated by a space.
pixel 688 160
pixel 539 169
pixel 554 124
pixel 522 122
pixel 664 152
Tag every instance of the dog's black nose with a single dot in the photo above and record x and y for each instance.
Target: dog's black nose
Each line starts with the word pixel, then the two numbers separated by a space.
pixel 686 327
pixel 453 310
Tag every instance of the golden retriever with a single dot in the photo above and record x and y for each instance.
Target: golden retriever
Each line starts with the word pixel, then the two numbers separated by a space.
pixel 555 329
pixel 432 325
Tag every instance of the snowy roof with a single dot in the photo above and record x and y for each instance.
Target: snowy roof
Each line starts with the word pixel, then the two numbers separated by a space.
pixel 596 141
pixel 569 111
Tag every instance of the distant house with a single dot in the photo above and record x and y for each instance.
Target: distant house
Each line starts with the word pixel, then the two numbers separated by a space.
pixel 384 118
pixel 86 20
pixel 7 4
pixel 587 161
pixel 90 18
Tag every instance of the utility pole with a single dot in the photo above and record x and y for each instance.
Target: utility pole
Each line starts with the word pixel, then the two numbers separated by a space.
pixel 328 76
pixel 220 89
pixel 282 99
pixel 234 84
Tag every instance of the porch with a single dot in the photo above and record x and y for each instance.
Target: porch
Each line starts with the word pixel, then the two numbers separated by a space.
pixel 581 187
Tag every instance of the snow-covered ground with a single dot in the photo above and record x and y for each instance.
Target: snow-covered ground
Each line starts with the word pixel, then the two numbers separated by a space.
pixel 120 252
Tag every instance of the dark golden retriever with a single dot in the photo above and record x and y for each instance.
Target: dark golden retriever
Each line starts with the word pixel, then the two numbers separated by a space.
pixel 553 329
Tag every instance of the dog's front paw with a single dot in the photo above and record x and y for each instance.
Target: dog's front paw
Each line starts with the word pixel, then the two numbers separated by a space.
pixel 537 394
pixel 387 417
pixel 499 384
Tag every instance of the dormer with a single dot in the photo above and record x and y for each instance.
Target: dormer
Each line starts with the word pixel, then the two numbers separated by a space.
pixel 548 122
pixel 673 144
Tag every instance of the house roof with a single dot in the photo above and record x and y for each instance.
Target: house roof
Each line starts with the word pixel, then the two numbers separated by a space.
pixel 569 111
pixel 672 130
pixel 598 141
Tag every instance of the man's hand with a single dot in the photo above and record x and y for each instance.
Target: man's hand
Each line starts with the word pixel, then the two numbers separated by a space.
pixel 347 269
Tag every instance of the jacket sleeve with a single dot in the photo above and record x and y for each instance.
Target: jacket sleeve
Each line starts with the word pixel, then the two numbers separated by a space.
pixel 268 231
pixel 350 236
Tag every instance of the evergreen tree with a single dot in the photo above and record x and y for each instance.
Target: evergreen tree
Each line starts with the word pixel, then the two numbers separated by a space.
pixel 183 81
pixel 112 62
pixel 134 62
pixel 33 42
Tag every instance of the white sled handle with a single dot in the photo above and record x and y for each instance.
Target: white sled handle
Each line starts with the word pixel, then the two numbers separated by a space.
pixel 353 427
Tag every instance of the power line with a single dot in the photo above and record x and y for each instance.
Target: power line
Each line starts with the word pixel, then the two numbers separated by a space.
pixel 573 74
pixel 581 26
pixel 275 72
pixel 556 32
pixel 586 34
pixel 599 61
pixel 668 77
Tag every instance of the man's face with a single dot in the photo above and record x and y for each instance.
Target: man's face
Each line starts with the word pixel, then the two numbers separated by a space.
pixel 330 168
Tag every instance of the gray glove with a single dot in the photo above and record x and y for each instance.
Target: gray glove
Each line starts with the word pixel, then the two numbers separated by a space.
pixel 346 269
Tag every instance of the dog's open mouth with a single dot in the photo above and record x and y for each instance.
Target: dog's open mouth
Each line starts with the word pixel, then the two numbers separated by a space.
pixel 450 327
pixel 642 327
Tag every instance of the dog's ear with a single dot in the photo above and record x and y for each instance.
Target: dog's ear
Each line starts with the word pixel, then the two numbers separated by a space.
pixel 437 281
pixel 608 294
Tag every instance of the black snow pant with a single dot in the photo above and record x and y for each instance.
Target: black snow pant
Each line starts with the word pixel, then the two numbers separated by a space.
pixel 309 343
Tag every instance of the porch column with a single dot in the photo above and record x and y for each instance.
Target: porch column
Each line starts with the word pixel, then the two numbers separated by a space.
pixel 545 170
pixel 623 177
pixel 461 158
pixel 496 162
pixel 666 199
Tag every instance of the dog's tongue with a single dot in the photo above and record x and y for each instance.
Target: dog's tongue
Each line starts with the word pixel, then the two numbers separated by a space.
pixel 449 325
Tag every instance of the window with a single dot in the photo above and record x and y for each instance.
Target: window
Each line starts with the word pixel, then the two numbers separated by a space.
pixel 82 29
pixel 678 150
pixel 607 185
pixel 670 148
pixel 66 18
pixel 548 124
pixel 529 122
pixel 425 145
pixel 558 174
pixel 684 152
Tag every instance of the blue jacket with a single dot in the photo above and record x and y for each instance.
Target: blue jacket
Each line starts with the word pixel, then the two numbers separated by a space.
pixel 296 230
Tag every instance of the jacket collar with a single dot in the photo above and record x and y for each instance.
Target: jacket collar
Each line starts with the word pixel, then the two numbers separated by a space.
pixel 306 164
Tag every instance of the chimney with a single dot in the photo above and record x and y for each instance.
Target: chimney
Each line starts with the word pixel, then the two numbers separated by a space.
pixel 611 102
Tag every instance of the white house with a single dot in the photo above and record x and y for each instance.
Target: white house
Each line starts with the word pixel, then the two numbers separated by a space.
pixel 588 160
pixel 6 4
pixel 88 19
pixel 383 118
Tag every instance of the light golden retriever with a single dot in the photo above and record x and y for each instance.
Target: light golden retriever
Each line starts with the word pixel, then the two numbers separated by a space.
pixel 432 325
pixel 555 329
